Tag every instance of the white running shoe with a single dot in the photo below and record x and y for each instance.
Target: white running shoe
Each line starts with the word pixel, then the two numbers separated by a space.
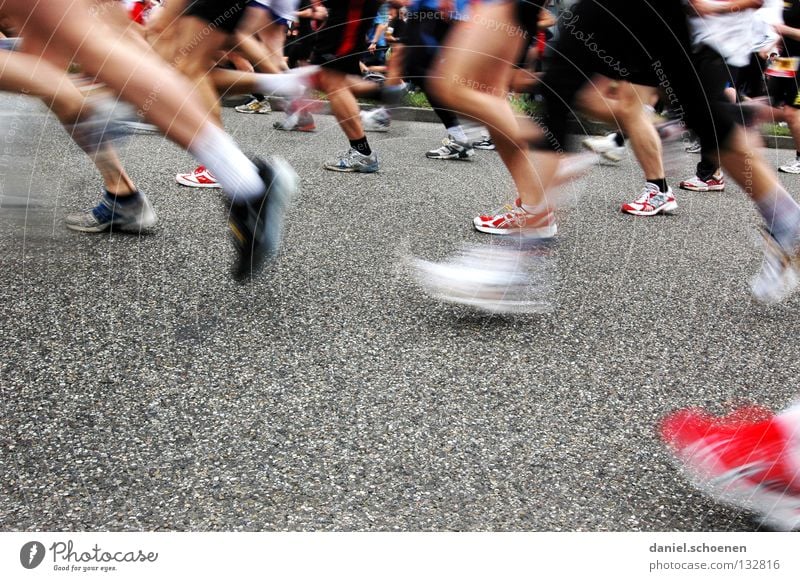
pixel 793 167
pixel 495 279
pixel 605 146
pixel 778 276
pixel 199 178
pixel 378 120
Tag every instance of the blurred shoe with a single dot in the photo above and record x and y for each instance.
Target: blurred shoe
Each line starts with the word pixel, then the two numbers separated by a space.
pixel 376 120
pixel 778 276
pixel 353 161
pixel 512 219
pixel 651 201
pixel 199 178
pixel 127 213
pixel 694 147
pixel 793 167
pixel 254 107
pixel 257 223
pixel 303 121
pixel 715 183
pixel 738 462
pixel 605 146
pixel 484 143
pixel 492 278
pixel 451 149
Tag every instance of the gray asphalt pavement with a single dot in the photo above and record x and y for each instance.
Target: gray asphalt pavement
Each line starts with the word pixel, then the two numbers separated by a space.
pixel 142 389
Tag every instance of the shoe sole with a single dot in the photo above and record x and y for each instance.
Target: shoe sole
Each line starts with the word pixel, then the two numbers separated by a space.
pixel 457 157
pixel 484 148
pixel 255 112
pixel 793 172
pixel 542 233
pixel 279 192
pixel 665 209
pixel 378 130
pixel 692 188
pixel 190 184
pixel 350 170
pixel 311 129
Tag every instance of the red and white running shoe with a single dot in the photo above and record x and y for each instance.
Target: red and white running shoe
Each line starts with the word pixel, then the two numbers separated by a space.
pixel 512 219
pixel 199 178
pixel 715 183
pixel 651 201
pixel 744 460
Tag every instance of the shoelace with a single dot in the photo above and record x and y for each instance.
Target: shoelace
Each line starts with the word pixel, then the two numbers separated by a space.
pixel 646 194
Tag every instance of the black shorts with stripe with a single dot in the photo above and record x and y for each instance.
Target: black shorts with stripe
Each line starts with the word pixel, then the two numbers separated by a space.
pixel 342 42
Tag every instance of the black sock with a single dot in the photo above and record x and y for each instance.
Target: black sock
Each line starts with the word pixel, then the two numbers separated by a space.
pixel 361 145
pixel 662 184
pixel 117 199
pixel 797 153
pixel 259 96
pixel 619 138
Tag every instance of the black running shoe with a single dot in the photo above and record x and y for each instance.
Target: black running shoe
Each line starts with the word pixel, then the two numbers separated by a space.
pixel 257 223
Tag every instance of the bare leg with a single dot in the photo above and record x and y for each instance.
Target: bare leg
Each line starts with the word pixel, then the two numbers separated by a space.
pixel 36 77
pixel 343 104
pixel 474 83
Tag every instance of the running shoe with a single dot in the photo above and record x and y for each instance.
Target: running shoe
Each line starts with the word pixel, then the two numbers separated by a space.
pixel 651 201
pixel 778 276
pixel 199 178
pixel 256 224
pixel 302 121
pixel 793 167
pixel 484 143
pixel 376 120
pixel 353 161
pixel 605 146
pixel 254 106
pixel 492 278
pixel 715 183
pixel 694 147
pixel 738 461
pixel 513 219
pixel 451 149
pixel 127 214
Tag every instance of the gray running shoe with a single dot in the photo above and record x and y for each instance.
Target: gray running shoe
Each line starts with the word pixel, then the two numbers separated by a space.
pixel 132 215
pixel 353 161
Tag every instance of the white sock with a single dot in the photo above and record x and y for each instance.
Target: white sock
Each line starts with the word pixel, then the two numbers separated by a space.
pixel 292 83
pixel 217 151
pixel 457 133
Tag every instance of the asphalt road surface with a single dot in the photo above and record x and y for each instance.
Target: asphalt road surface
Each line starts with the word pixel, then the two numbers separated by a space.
pixel 142 389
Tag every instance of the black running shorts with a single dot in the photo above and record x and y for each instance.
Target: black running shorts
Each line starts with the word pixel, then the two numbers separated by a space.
pixel 223 15
pixel 626 37
pixel 783 91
